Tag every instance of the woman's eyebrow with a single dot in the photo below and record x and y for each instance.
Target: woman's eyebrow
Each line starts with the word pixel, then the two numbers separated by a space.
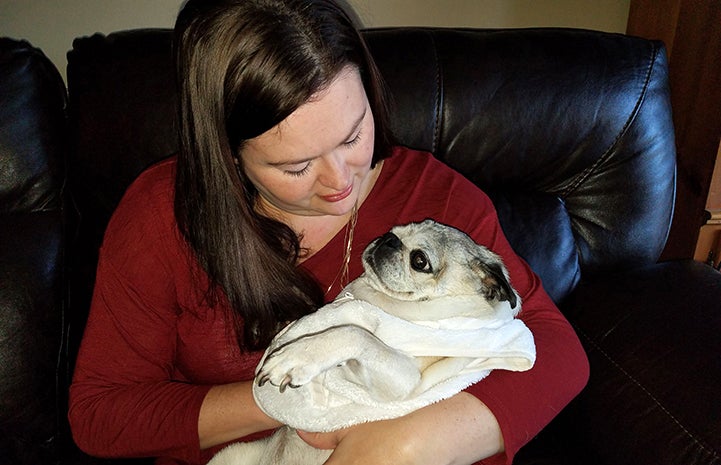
pixel 356 125
pixel 354 128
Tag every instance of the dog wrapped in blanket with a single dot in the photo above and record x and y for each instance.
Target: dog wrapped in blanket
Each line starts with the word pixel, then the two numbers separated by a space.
pixel 433 313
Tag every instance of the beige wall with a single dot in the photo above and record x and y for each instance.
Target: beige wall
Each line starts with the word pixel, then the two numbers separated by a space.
pixel 602 15
pixel 53 24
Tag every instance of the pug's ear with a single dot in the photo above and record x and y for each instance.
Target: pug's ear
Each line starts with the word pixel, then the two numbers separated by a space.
pixel 494 284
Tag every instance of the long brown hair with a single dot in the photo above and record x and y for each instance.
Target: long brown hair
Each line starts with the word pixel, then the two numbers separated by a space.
pixel 243 66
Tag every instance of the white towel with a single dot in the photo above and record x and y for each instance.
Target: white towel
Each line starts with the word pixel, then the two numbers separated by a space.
pixel 331 401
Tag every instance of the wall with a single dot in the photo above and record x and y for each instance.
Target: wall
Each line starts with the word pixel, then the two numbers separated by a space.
pixel 603 15
pixel 53 24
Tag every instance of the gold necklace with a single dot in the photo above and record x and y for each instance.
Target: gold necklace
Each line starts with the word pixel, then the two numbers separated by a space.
pixel 348 241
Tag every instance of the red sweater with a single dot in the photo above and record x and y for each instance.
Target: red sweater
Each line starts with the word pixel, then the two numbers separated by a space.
pixel 153 348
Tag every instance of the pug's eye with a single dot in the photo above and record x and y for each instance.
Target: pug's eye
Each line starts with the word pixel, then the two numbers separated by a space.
pixel 419 262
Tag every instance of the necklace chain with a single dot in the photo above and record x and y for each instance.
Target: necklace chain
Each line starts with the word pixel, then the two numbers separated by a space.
pixel 343 273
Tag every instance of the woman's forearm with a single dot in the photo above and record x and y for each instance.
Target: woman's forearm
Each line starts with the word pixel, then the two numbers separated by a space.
pixel 458 430
pixel 471 433
pixel 229 412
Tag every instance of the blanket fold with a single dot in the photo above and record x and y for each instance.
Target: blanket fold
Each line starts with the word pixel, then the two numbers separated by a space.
pixel 333 400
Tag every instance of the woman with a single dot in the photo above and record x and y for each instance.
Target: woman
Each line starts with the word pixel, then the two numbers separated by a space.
pixel 285 173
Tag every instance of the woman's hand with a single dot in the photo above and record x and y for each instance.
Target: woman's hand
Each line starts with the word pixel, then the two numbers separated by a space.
pixel 459 430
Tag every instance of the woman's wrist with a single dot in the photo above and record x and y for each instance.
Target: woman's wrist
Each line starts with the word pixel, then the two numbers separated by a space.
pixel 229 412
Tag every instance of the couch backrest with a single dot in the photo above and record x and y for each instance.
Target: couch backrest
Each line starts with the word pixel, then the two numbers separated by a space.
pixel 32 151
pixel 569 131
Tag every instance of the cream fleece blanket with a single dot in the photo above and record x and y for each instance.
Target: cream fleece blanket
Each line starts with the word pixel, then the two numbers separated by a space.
pixel 332 401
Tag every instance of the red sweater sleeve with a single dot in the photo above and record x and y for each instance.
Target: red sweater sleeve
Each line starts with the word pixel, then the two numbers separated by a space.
pixel 523 402
pixel 415 186
pixel 127 398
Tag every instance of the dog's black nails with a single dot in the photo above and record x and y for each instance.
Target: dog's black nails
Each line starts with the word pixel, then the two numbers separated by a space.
pixel 285 383
pixel 262 380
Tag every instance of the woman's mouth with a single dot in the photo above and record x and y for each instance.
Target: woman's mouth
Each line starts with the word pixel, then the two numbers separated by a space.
pixel 339 196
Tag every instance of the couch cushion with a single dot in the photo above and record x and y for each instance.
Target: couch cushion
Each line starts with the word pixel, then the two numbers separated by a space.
pixel 654 347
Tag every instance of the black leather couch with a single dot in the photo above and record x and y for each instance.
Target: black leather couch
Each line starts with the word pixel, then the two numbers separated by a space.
pixel 33 137
pixel 569 131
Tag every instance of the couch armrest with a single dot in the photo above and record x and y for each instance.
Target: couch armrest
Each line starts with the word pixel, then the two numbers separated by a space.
pixel 30 334
pixel 653 338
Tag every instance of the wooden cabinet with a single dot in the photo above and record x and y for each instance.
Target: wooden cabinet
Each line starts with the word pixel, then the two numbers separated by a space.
pixel 691 30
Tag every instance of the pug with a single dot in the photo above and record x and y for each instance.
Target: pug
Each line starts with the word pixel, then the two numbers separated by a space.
pixel 419 271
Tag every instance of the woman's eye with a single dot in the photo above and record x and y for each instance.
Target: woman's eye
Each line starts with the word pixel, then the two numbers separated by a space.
pixel 299 171
pixel 353 141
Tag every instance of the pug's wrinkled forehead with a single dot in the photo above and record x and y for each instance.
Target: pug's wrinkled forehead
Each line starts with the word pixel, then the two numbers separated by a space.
pixel 431 236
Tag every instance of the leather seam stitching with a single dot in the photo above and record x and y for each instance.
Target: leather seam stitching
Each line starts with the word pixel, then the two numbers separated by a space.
pixel 648 393
pixel 438 97
pixel 585 174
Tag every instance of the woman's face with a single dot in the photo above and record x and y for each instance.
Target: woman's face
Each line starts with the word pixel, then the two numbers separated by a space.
pixel 316 161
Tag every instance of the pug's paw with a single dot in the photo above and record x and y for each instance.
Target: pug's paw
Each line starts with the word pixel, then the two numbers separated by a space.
pixel 296 364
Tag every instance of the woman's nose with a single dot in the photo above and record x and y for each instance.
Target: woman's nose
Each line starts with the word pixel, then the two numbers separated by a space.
pixel 335 172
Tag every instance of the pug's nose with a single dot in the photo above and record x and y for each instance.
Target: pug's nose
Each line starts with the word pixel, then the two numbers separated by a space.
pixel 390 240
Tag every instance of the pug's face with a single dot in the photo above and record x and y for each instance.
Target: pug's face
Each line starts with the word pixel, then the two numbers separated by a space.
pixel 427 260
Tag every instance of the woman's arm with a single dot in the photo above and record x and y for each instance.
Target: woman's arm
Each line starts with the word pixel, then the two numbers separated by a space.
pixel 150 378
pixel 458 430
pixel 229 412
